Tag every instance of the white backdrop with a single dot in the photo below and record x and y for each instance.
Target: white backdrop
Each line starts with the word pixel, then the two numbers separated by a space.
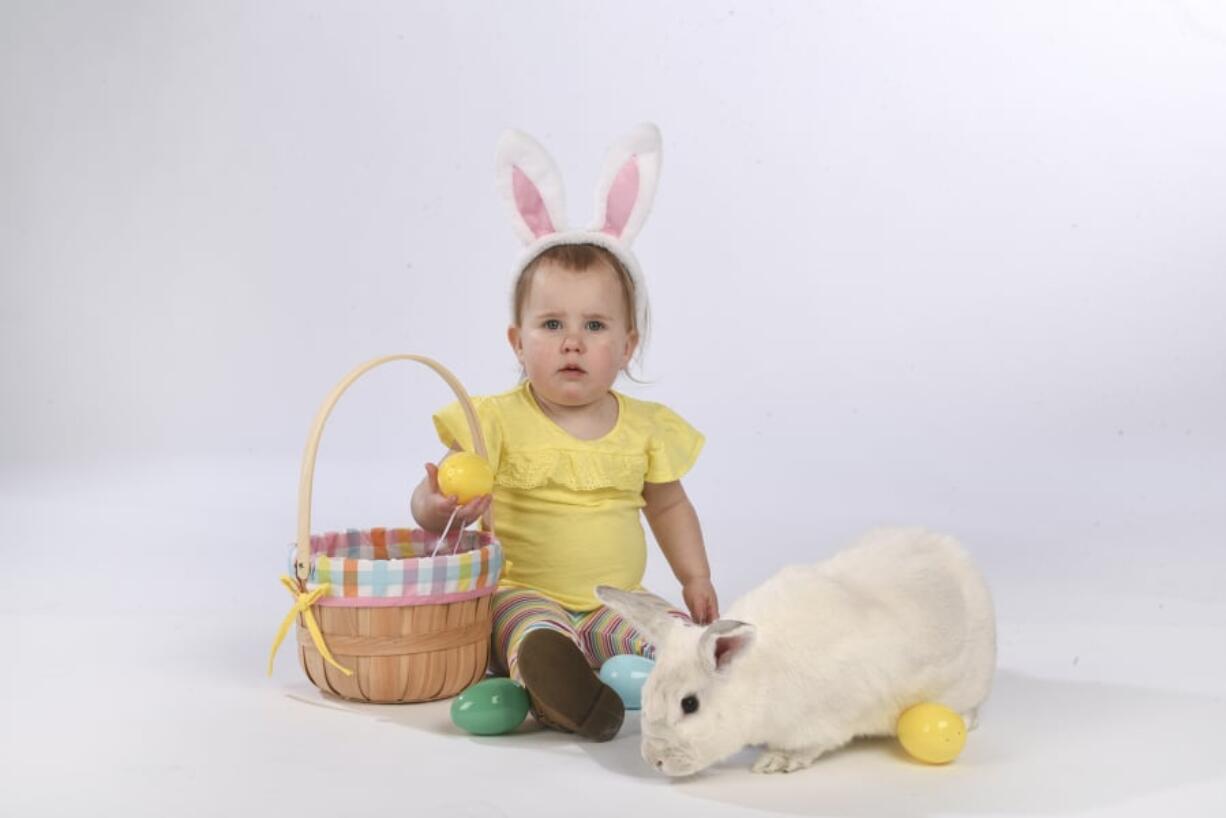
pixel 957 264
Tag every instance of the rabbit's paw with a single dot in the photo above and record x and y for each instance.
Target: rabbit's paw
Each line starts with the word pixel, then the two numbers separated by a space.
pixel 785 761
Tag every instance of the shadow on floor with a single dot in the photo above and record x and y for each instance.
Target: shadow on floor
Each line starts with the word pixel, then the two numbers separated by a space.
pixel 1042 747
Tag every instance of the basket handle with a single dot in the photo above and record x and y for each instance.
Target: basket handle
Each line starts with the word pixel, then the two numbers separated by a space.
pixel 302 559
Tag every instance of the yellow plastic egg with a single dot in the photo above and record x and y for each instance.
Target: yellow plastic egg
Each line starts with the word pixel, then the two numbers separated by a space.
pixel 932 733
pixel 466 476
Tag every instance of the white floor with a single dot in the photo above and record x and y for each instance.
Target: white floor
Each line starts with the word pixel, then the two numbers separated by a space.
pixel 137 623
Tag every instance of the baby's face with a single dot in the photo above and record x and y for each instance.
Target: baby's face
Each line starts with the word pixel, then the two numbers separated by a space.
pixel 573 336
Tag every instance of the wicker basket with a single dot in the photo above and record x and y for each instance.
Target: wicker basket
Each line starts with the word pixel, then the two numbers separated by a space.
pixel 393 623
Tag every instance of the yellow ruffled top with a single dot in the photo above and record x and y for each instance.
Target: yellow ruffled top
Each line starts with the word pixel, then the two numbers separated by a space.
pixel 566 509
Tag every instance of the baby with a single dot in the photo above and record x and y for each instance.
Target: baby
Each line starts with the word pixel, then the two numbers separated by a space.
pixel 575 461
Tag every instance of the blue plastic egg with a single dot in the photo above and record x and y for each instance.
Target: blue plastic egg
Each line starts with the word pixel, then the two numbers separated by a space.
pixel 626 674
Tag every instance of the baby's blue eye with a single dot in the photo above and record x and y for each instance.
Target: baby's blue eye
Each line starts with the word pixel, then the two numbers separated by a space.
pixel 552 323
pixel 595 326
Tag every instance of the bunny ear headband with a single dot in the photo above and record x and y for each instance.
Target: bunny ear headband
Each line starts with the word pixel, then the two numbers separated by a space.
pixel 531 184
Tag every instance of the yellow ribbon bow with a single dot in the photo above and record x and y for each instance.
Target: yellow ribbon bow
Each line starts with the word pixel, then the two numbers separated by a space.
pixel 302 605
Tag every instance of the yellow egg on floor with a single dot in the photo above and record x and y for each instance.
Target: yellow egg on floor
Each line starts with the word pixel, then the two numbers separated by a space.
pixel 465 475
pixel 932 733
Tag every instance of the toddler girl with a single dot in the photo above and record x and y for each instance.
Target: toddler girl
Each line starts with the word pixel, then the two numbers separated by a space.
pixel 575 461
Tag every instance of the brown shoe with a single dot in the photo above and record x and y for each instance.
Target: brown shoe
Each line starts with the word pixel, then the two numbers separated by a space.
pixel 566 695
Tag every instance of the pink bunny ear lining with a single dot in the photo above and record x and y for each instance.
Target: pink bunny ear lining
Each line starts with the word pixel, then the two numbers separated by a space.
pixel 727 648
pixel 530 205
pixel 623 194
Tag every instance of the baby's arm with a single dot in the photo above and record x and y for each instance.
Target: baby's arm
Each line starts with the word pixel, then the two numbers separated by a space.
pixel 675 524
pixel 431 509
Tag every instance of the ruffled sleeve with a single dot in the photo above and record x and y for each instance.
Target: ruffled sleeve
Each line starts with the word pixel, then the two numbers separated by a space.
pixel 452 428
pixel 673 447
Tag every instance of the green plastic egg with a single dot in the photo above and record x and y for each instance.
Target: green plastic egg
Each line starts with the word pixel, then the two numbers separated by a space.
pixel 491 707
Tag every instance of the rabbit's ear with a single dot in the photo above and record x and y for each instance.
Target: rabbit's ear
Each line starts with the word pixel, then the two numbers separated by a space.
pixel 648 613
pixel 628 183
pixel 530 182
pixel 724 643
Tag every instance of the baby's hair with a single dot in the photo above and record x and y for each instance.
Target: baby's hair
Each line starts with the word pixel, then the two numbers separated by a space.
pixel 580 258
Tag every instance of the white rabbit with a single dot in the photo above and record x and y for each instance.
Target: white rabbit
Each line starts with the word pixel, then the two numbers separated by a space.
pixel 817 655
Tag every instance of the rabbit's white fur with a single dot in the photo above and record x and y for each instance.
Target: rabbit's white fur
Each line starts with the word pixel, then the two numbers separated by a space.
pixel 818 655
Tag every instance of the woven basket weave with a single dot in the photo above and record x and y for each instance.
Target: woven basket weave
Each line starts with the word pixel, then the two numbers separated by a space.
pixel 410 626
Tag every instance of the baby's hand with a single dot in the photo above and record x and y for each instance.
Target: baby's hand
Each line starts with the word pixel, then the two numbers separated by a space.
pixel 440 506
pixel 699 596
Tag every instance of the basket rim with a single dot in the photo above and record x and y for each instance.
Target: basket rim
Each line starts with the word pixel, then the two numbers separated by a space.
pixel 402 601
pixel 365 540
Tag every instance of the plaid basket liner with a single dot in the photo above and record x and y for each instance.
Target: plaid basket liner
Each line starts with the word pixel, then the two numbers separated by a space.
pixel 393 566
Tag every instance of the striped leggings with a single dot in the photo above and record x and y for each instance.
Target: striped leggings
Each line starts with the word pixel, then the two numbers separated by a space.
pixel 600 634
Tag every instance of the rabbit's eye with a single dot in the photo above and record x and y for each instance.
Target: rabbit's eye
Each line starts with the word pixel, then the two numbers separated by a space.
pixel 689 705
